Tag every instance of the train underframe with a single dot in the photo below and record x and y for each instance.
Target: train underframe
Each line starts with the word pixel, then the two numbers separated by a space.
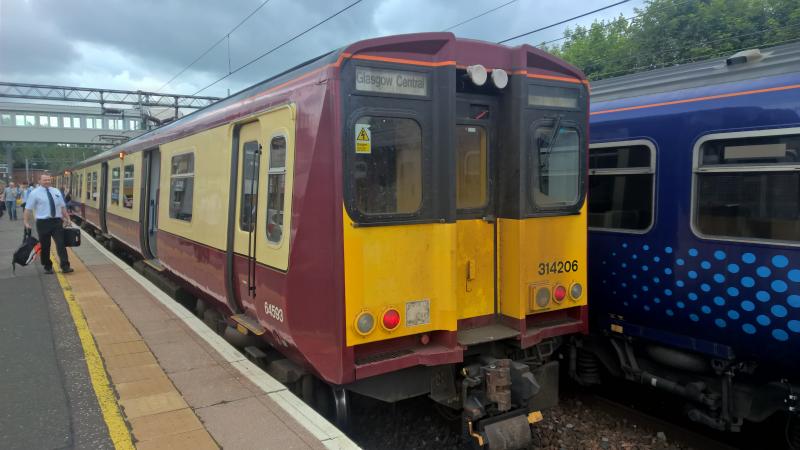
pixel 499 390
pixel 720 393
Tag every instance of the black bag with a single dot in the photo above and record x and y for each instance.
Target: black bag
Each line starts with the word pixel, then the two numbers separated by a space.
pixel 72 237
pixel 27 252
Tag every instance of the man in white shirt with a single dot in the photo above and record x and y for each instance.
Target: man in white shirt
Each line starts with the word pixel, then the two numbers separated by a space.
pixel 47 205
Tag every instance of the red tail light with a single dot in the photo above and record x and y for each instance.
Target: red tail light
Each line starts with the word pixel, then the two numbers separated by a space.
pixel 560 292
pixel 391 319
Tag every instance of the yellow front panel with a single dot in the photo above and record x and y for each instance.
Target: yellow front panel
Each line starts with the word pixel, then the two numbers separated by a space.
pixel 212 152
pixel 542 251
pixel 474 271
pixel 388 266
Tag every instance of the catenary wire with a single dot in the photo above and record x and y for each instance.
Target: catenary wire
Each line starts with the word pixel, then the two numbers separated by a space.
pixel 284 43
pixel 480 15
pixel 214 45
pixel 563 21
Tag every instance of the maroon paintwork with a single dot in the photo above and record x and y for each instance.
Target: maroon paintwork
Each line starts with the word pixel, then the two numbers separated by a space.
pixel 311 292
pixel 125 230
pixel 91 215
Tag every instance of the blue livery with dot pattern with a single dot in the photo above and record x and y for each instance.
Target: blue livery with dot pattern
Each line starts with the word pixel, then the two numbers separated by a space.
pixel 716 296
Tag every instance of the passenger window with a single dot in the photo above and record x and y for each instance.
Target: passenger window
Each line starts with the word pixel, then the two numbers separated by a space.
pixel 181 187
pixel 621 186
pixel 115 186
pixel 749 188
pixel 388 177
pixel 127 187
pixel 94 186
pixel 557 166
pixel 250 167
pixel 471 167
pixel 276 188
pixel 88 185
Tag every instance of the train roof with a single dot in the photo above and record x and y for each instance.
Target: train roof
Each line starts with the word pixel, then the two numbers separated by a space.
pixel 744 65
pixel 426 48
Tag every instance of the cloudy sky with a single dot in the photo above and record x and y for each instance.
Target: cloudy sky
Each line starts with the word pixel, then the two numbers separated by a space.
pixel 141 44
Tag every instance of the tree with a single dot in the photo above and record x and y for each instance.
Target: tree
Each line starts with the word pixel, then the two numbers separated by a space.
pixel 668 32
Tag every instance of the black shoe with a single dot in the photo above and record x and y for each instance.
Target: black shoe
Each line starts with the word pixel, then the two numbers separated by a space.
pixel 67 270
pixel 48 270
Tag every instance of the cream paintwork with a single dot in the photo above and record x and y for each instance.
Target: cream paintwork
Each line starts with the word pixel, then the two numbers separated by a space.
pixel 211 149
pixel 93 200
pixel 212 155
pixel 276 122
pixel 117 209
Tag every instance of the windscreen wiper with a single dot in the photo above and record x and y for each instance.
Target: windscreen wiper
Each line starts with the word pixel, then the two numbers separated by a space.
pixel 551 143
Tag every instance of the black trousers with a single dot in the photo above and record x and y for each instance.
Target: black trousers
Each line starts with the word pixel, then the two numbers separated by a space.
pixel 47 228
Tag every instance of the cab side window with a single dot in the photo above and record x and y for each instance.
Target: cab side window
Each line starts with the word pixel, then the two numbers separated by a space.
pixel 276 189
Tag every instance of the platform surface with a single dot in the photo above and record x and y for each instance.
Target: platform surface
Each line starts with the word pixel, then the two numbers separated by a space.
pixel 160 377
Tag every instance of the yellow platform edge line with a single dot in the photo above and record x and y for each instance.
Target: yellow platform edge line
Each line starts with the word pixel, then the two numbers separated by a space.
pixel 117 430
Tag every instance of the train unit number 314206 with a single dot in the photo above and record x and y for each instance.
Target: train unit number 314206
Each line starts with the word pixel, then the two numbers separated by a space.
pixel 558 267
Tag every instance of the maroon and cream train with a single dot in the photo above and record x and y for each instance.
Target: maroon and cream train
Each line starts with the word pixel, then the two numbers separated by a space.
pixel 402 210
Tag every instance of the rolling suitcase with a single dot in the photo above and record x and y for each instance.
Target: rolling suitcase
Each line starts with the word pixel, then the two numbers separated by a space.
pixel 72 237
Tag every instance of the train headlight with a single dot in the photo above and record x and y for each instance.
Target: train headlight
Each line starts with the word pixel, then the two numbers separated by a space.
pixel 391 319
pixel 477 74
pixel 365 323
pixel 499 78
pixel 542 297
pixel 559 293
pixel 576 291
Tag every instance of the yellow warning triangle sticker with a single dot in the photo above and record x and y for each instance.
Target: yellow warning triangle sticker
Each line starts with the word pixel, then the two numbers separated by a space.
pixel 362 135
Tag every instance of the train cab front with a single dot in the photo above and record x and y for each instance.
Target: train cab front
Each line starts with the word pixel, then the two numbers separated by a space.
pixel 464 225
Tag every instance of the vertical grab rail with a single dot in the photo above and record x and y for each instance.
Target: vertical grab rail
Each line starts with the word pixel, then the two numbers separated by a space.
pixel 253 220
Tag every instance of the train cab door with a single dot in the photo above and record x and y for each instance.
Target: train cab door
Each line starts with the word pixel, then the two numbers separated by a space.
pixel 260 216
pixel 248 216
pixel 151 168
pixel 103 196
pixel 475 219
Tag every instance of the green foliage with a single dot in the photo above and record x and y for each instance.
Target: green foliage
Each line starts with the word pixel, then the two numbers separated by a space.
pixel 53 157
pixel 668 32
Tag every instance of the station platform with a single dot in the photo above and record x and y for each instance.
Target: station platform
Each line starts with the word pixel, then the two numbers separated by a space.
pixel 100 358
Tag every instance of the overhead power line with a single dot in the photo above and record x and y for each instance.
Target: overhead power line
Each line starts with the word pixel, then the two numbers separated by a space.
pixel 284 43
pixel 480 15
pixel 214 45
pixel 563 21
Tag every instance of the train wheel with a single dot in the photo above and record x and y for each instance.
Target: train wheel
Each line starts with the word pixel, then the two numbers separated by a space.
pixel 200 308
pixel 213 320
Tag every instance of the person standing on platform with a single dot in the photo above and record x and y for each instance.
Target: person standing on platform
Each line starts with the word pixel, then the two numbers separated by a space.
pixel 47 205
pixel 10 197
pixel 26 190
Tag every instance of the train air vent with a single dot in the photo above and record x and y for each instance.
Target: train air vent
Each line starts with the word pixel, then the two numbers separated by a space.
pixel 743 57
